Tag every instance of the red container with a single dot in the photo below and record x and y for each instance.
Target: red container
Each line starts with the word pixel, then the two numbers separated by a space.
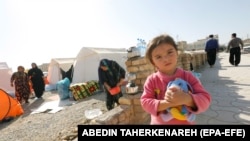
pixel 114 91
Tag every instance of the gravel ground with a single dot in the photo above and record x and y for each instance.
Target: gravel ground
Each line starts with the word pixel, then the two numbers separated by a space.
pixel 50 127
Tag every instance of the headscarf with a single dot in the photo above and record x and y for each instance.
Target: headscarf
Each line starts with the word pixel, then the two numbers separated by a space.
pixel 107 76
pixel 20 67
pixel 34 64
pixel 105 62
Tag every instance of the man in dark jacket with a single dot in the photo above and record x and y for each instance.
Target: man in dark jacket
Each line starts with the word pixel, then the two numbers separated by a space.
pixel 211 49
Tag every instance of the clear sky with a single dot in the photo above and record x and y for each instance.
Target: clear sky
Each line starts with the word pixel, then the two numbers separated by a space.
pixel 38 30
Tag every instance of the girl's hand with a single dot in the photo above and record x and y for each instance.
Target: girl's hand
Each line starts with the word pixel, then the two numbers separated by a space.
pixel 176 96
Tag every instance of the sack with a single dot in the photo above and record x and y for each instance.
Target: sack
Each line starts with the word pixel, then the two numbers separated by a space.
pixel 63 88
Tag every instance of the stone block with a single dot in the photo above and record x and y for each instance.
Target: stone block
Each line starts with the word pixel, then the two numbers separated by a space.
pixel 140 87
pixel 110 117
pixel 121 117
pixel 145 67
pixel 128 112
pixel 133 69
pixel 136 101
pixel 143 74
pixel 143 80
pixel 141 118
pixel 124 122
pixel 113 121
pixel 137 81
pixel 138 108
pixel 139 61
pixel 142 114
pixel 128 63
pixel 125 101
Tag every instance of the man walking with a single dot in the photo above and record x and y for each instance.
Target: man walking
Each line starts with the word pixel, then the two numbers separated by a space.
pixel 211 48
pixel 234 46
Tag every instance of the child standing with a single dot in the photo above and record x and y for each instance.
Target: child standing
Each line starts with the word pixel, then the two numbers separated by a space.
pixel 162 52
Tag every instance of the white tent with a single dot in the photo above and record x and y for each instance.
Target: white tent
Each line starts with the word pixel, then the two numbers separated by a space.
pixel 5 76
pixel 54 72
pixel 87 62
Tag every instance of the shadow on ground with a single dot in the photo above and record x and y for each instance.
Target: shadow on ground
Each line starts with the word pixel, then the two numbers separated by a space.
pixel 228 103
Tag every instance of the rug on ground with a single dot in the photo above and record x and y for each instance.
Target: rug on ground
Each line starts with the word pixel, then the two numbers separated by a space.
pixel 83 90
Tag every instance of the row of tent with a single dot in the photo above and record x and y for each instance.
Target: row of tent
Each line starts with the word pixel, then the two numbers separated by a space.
pixel 5 75
pixel 84 66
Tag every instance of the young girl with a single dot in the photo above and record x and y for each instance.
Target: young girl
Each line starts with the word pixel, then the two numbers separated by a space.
pixel 162 52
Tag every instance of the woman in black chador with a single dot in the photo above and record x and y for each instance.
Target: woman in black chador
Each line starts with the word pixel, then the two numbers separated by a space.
pixel 36 76
pixel 111 74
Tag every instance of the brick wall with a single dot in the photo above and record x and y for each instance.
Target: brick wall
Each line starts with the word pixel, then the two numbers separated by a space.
pixel 141 67
pixel 130 111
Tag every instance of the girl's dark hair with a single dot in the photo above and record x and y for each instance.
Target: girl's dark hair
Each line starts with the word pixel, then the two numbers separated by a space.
pixel 158 40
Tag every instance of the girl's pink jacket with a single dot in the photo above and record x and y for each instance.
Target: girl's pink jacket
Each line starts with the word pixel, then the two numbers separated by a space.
pixel 154 91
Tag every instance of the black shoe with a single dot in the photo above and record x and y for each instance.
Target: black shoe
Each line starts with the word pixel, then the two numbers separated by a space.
pixel 109 108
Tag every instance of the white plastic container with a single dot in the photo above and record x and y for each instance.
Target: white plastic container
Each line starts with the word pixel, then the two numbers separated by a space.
pixel 92 113
pixel 133 52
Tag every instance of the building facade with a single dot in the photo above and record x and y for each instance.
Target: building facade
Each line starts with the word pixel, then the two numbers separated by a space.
pixel 199 44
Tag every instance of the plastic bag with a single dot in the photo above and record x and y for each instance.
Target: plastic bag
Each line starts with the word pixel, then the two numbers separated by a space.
pixel 63 88
pixel 92 113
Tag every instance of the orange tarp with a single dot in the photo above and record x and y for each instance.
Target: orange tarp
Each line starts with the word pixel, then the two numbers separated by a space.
pixel 46 80
pixel 9 106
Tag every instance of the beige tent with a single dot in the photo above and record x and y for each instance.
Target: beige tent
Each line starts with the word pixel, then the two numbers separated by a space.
pixel 87 62
pixel 5 75
pixel 55 66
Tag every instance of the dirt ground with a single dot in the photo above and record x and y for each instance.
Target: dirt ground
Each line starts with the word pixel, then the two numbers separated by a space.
pixel 50 126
